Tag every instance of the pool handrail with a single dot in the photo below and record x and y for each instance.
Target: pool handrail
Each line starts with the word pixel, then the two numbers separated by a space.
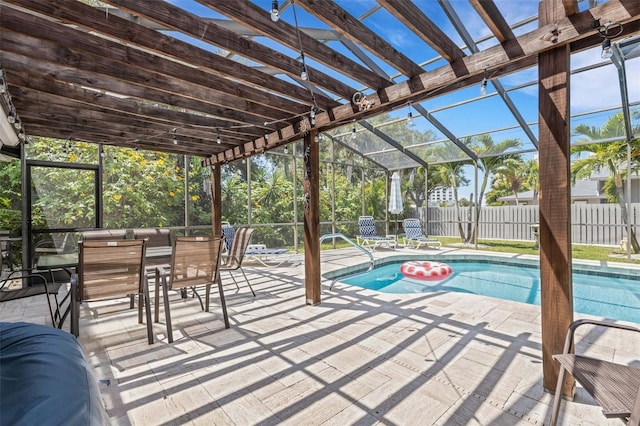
pixel 356 245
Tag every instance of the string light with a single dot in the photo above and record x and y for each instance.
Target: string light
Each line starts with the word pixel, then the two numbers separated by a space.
pixel 483 85
pixel 410 117
pixel 303 69
pixel 218 136
pixel 312 116
pixel 353 132
pixel 175 138
pixel 607 31
pixel 286 149
pixel 266 137
pixel 275 14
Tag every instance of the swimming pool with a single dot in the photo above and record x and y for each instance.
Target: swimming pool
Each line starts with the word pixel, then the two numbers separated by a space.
pixel 612 296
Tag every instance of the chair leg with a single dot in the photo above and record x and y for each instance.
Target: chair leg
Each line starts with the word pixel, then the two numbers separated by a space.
pixel 75 308
pixel 557 397
pixel 207 297
pixel 167 314
pixel 248 283
pixel 157 296
pixel 223 303
pixel 140 305
pixel 234 279
pixel 147 306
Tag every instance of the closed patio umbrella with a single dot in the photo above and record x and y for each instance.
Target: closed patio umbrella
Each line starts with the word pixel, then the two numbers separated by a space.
pixel 395 198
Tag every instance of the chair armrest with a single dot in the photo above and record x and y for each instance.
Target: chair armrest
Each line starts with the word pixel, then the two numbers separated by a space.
pixel 568 344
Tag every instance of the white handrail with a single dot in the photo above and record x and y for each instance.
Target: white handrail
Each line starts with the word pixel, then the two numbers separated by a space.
pixel 356 245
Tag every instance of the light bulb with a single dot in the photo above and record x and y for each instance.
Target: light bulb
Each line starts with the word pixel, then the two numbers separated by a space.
pixel 312 116
pixel 175 139
pixel 266 137
pixel 11 117
pixel 606 49
pixel 303 74
pixel 483 87
pixel 218 136
pixel 286 149
pixel 353 132
pixel 275 15
pixel 410 119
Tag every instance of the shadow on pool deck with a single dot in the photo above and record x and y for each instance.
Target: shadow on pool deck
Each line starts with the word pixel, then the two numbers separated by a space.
pixel 359 357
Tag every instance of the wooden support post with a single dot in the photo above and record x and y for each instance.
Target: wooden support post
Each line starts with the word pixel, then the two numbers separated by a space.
pixel 216 201
pixel 311 218
pixel 555 200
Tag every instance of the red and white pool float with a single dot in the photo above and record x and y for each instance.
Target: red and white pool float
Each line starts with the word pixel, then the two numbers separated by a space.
pixel 426 270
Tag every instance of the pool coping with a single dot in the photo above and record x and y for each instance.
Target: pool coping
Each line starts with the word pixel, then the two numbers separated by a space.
pixel 609 269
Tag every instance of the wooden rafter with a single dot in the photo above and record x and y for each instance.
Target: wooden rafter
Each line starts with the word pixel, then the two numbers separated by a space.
pixel 350 27
pixel 173 17
pixel 254 17
pixel 491 16
pixel 412 17
pixel 497 60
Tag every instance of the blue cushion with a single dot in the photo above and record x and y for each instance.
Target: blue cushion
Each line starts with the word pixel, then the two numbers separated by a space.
pixel 45 378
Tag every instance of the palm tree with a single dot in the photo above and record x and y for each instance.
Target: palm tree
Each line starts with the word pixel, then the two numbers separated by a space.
pixel 491 157
pixel 452 175
pixel 610 157
pixel 514 174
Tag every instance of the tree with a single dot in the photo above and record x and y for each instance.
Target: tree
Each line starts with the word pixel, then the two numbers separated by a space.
pixel 510 178
pixel 491 156
pixel 452 175
pixel 610 157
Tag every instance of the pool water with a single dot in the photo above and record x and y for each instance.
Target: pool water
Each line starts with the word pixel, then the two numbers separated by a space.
pixel 604 296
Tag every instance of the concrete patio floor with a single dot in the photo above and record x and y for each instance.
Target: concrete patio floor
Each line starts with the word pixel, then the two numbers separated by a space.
pixel 359 357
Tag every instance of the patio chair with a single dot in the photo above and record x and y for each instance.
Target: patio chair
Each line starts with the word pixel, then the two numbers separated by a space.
pixel 37 284
pixel 104 234
pixel 258 252
pixel 615 387
pixel 156 237
pixel 235 255
pixel 369 237
pixel 158 246
pixel 195 261
pixel 414 236
pixel 109 270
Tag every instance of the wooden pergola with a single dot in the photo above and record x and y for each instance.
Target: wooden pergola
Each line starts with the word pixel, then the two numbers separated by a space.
pixel 124 75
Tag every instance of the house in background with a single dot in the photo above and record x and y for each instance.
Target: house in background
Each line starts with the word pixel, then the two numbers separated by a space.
pixel 585 191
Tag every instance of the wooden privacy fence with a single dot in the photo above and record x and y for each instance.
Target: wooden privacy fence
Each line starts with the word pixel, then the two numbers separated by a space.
pixel 590 223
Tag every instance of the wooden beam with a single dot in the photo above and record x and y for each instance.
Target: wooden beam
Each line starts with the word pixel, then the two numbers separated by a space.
pixel 496 60
pixel 491 16
pixel 311 204
pixel 175 18
pixel 252 16
pixel 413 18
pixel 96 20
pixel 27 86
pixel 556 286
pixel 350 27
pixel 91 53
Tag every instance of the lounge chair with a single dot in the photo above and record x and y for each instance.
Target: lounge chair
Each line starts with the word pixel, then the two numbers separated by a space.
pixel 110 269
pixel 368 235
pixel 195 261
pixel 235 254
pixel 615 387
pixel 414 236
pixel 258 252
